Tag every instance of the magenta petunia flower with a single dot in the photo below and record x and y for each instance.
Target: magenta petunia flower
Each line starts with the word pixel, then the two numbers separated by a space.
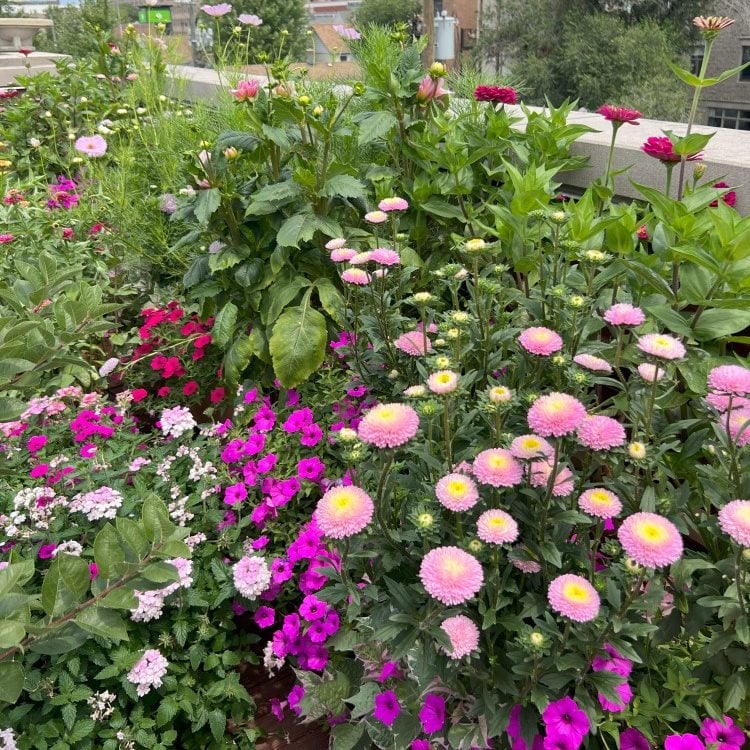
pixel 563 718
pixel 541 341
pixel 661 345
pixel 590 362
pixel 574 597
pixel 527 447
pixel 624 314
pixel 389 425
pixel 387 707
pixel 356 276
pixel 91 145
pixel 555 414
pixel 393 204
pixel 497 467
pixel 344 511
pixel 432 714
pixel 496 94
pixel 457 492
pixel 601 433
pixel 624 693
pixel 619 115
pixel 36 443
pixel 420 744
pixel 650 539
pixel 264 617
pixel 632 739
pixel 731 379
pixel 614 662
pixel 497 527
pixel 451 575
pixel 216 11
pixel 412 343
pixel 723 734
pixel 683 742
pixel 600 503
pixel 734 520
pixel 463 635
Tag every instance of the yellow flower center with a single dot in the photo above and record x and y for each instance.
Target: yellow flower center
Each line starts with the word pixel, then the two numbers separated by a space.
pixel 498 462
pixel 444 378
pixel 743 513
pixel 599 497
pixel 343 501
pixel 574 592
pixel 531 444
pixel 498 522
pixel 661 341
pixel 652 532
pixel 453 568
pixel 457 487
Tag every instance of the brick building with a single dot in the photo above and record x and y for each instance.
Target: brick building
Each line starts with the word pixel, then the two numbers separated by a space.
pixel 467 13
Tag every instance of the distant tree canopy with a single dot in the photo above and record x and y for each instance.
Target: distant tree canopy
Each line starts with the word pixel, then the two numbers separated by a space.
pixel 75 28
pixel 386 12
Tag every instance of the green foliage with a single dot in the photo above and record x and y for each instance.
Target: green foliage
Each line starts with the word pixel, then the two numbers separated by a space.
pixel 77 29
pixel 386 12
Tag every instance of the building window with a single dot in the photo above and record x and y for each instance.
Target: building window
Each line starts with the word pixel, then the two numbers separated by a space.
pixel 745 74
pixel 696 59
pixel 739 119
pixel 438 7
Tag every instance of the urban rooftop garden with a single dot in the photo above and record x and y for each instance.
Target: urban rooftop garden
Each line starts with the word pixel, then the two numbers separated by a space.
pixel 323 404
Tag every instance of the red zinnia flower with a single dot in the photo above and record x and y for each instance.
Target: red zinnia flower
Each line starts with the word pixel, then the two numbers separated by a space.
pixel 661 148
pixel 729 198
pixel 496 94
pixel 619 115
pixel 25 51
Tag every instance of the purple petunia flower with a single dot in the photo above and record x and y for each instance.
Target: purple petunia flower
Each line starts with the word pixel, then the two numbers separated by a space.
pixel 432 714
pixel 387 707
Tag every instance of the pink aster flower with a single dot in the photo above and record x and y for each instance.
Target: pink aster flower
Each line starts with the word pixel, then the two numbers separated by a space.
pixel 335 244
pixel 387 707
pixel 91 145
pixel 619 115
pixel 463 635
pixel 731 379
pixel 600 503
pixel 457 492
pixel 564 481
pixel 590 362
pixel 541 341
pixel 432 714
pixel 624 314
pixel 724 734
pixel 342 254
pixel 520 560
pixel 574 597
pixel 531 446
pixel 556 414
pixel 683 742
pixel 376 217
pixel 393 204
pixel 344 511
pixel 216 11
pixel 355 276
pixel 650 373
pixel 650 539
pixel 661 345
pixel 601 433
pixel 384 256
pixel 413 344
pixel 497 527
pixel 738 425
pixel 734 520
pixel 497 467
pixel 451 575
pixel 564 718
pixel 443 382
pixel 389 425
pixel 359 259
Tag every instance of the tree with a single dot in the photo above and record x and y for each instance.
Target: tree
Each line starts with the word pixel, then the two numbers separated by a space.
pixel 387 12
pixel 76 29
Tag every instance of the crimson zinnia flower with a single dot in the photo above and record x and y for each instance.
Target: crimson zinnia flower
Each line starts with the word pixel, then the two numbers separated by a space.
pixel 496 94
pixel 729 198
pixel 661 148
pixel 619 114
pixel 25 51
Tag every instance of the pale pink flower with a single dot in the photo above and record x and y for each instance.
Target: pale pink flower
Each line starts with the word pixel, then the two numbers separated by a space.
pixel 521 561
pixel 463 635
pixel 600 503
pixel 413 344
pixel 457 492
pixel 541 472
pixel 250 19
pixel 624 314
pixel 335 244
pixel 497 467
pixel 148 671
pixel 393 204
pixel 355 276
pixel 531 446
pixel 734 520
pixel 359 259
pixel 574 597
pixel 601 433
pixel 344 511
pixel 384 256
pixel 217 10
pixel 541 341
pixel 443 382
pixel 590 362
pixel 556 414
pixel 376 217
pixel 342 254
pixel 389 425
pixel 451 575
pixel 721 402
pixel 91 145
pixel 650 373
pixel 738 424
pixel 497 527
pixel 731 379
pixel 661 345
pixel 650 539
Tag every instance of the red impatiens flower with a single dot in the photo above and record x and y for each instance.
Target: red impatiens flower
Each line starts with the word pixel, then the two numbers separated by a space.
pixel 619 115
pixel 496 94
pixel 661 148
pixel 729 198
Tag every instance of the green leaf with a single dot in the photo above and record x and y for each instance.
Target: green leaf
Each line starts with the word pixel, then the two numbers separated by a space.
pixel 249 272
pixel 343 186
pixel 10 408
pixel 346 736
pixel 670 318
pixel 156 522
pixel 11 633
pixel 239 139
pixel 331 299
pixel 223 327
pixel 161 572
pixel 108 553
pixel 439 207
pixel 206 203
pixel 717 323
pixel 133 536
pixel 734 691
pixel 105 623
pixel 66 582
pixel 16 574
pixel 217 722
pixel 68 638
pixel 298 343
pixel 374 125
pixel 238 355
pixel 11 681
pixel 363 701
pixel 289 233
pixel 122 598
pixel 692 143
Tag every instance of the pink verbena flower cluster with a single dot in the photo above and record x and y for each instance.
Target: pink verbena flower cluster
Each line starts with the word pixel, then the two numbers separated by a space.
pixel 148 671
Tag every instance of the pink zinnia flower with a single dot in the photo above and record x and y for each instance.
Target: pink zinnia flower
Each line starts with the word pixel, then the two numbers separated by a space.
pixel 650 373
pixel 451 575
pixel 540 340
pixel 387 707
pixel 463 635
pixel 650 539
pixel 600 503
pixel 457 492
pixel 662 148
pixel 574 597
pixel 6 238
pixel 217 10
pixel 385 256
pixel 497 467
pixel 619 115
pixel 496 94
pixel 556 414
pixel 725 734
pixel 590 362
pixel 389 425
pixel 531 446
pixel 661 345
pixel 734 520
pixel 443 382
pixel 624 314
pixel 497 527
pixel 91 145
pixel 412 343
pixel 601 433
pixel 393 204
pixel 355 276
pixel 730 198
pixel 730 379
pixel 344 511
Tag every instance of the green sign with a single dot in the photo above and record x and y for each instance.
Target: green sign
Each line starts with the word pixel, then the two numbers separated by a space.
pixel 154 15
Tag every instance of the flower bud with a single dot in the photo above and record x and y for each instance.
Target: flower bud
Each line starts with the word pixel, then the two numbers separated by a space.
pixel 304 100
pixel 437 69
pixel 231 152
pixel 699 170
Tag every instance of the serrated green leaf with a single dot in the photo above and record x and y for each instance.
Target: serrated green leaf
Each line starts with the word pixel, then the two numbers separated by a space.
pixel 67 638
pixel 217 722
pixel 374 125
pixel 16 574
pixel 11 633
pixel 290 231
pixel 343 186
pixel 206 203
